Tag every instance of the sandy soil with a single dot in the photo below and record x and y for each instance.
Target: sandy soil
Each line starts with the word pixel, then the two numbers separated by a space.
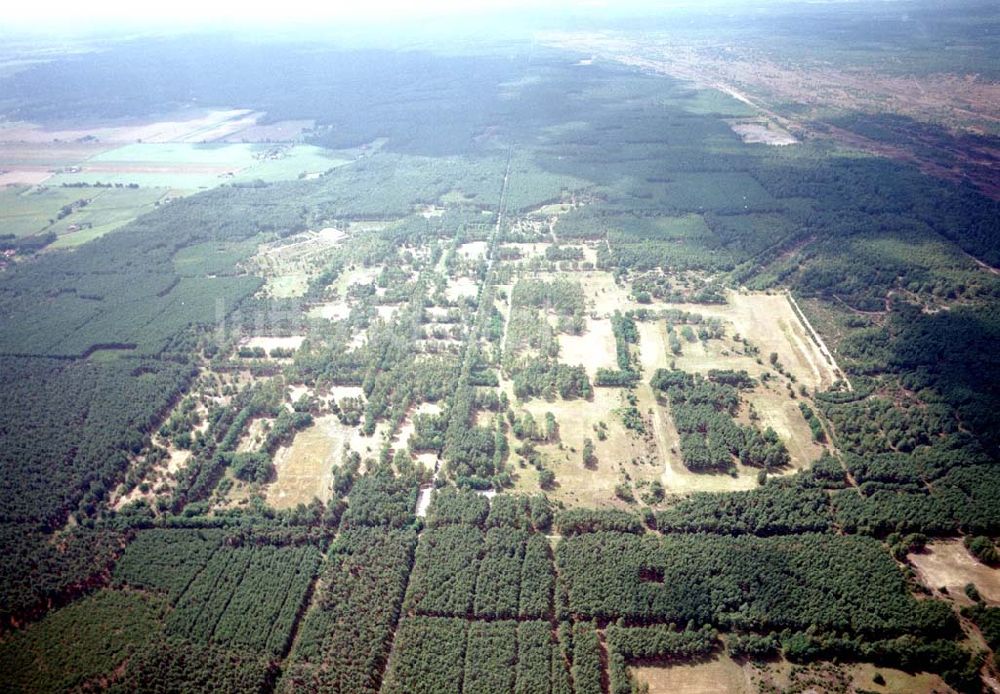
pixel 23 177
pixel 424 501
pixel 254 435
pixel 305 469
pixel 269 343
pixel 402 438
pixel 331 310
pixel 183 126
pixel 473 250
pixel 281 131
pixel 718 676
pixel 770 323
pixel 595 348
pixel 896 681
pixel 460 288
pixel 577 485
pixel 762 132
pixel 947 563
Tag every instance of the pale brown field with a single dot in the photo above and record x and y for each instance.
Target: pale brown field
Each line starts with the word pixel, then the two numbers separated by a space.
pixel 593 349
pixel 330 310
pixel 461 287
pixel 896 681
pixel 281 131
pixel 718 676
pixel 769 323
pixel 268 343
pixel 772 403
pixel 193 125
pixel 305 469
pixel 577 485
pixel 762 132
pixel 474 250
pixel 946 563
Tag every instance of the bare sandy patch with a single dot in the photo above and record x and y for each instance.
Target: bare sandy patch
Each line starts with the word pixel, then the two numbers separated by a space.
pixel 762 132
pixel 576 484
pixel 386 312
pixel 356 275
pixel 402 437
pixel 770 323
pixel 292 342
pixel 253 437
pixel 331 310
pixel 473 250
pixel 461 288
pixel 424 501
pixel 604 297
pixel 181 126
pixel 948 564
pixel 305 468
pixel 896 681
pixel 280 131
pixel 772 404
pixel 595 348
pixel 529 250
pixel 24 177
pixel 780 412
pixel 718 676
pixel 341 392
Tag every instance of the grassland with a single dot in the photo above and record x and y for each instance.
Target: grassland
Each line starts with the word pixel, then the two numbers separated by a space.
pixel 946 567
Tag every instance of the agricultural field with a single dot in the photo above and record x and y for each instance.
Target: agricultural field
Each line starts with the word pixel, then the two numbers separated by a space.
pixel 484 370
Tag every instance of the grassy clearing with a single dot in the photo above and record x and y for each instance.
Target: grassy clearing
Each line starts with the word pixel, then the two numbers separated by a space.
pixel 595 348
pixel 718 676
pixel 896 681
pixel 305 468
pixel 770 401
pixel 288 265
pixel 576 484
pixel 769 323
pixel 947 564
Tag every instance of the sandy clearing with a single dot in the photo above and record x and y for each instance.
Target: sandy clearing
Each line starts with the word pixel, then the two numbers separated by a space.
pixel 10 177
pixel 280 131
pixel 305 468
pixel 254 435
pixel 338 393
pixel 356 275
pixel 331 310
pixel 175 127
pixel 762 132
pixel 782 413
pixel 770 323
pixel 947 563
pixel 424 501
pixel 896 681
pixel 402 438
pixel 474 250
pixel 460 288
pixel 292 342
pixel 577 485
pixel 774 406
pixel 386 312
pixel 529 250
pixel 718 676
pixel 595 348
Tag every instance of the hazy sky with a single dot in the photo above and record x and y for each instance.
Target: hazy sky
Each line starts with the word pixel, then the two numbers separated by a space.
pixel 69 12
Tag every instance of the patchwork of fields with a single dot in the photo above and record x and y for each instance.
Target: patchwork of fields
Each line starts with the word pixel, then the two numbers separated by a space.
pixel 519 394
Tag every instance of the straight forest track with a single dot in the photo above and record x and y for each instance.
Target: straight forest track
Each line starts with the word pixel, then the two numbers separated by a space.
pixel 818 340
